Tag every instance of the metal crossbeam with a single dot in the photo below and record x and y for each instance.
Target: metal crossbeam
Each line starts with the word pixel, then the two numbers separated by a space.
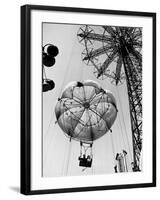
pixel 94 36
pixel 94 53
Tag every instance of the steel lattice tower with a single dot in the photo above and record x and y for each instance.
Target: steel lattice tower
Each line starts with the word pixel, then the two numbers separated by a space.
pixel 123 45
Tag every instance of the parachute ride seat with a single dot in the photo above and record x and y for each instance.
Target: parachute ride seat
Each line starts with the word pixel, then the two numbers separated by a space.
pixel 82 161
pixel 48 85
pixel 85 162
pixel 89 161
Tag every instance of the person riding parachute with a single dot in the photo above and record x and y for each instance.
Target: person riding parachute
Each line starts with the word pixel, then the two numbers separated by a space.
pixel 85 112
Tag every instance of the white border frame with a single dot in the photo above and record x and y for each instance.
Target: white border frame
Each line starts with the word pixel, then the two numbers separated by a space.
pixel 37 181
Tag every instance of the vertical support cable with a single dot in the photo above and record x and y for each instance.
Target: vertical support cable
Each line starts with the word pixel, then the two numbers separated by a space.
pixel 68 158
pixel 113 149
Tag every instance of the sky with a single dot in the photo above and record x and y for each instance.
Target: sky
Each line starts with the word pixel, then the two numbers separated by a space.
pixel 60 156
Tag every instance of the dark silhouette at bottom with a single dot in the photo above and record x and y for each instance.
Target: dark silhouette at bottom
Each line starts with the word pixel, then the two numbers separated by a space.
pixel 85 162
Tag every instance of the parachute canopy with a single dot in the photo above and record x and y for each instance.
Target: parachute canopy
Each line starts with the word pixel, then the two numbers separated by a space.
pixel 85 112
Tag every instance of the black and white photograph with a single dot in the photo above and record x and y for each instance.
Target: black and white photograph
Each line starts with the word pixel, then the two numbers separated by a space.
pixel 92 99
pixel 79 100
pixel 88 100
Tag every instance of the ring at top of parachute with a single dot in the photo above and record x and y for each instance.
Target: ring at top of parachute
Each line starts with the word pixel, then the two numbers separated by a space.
pixel 85 111
pixel 87 86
